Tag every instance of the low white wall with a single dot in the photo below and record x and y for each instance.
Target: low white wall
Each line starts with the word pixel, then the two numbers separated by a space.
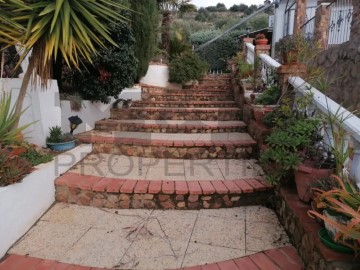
pixel 22 204
pixel 157 75
pixel 43 107
pixel 93 111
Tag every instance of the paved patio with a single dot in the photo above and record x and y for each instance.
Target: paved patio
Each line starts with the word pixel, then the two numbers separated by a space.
pixel 150 239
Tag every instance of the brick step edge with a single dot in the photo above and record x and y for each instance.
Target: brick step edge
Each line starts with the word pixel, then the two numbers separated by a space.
pixel 114 125
pixel 284 258
pixel 105 192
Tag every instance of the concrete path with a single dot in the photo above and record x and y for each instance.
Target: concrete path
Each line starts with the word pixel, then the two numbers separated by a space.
pixel 140 168
pixel 150 239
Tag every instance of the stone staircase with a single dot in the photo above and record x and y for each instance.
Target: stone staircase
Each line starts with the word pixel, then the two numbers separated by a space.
pixel 183 149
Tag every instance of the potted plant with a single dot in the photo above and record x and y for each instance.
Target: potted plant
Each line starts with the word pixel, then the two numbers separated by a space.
pixel 266 102
pixel 287 47
pixel 341 214
pixel 260 39
pixel 59 141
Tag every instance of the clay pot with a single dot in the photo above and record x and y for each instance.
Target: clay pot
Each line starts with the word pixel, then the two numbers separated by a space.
pixel 291 57
pixel 263 41
pixel 261 110
pixel 305 176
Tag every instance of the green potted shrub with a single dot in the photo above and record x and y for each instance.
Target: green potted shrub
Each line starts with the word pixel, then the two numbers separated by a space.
pixel 287 47
pixel 266 102
pixel 59 141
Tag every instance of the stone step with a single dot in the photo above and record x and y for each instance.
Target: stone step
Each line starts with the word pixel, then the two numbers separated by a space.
pixel 206 87
pixel 154 113
pixel 169 145
pixel 188 97
pixel 186 90
pixel 170 126
pixel 106 192
pixel 185 104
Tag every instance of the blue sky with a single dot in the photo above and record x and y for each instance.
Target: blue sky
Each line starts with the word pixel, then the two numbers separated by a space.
pixel 228 3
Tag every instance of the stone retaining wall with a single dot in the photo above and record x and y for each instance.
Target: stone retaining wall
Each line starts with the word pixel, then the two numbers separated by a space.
pixel 303 230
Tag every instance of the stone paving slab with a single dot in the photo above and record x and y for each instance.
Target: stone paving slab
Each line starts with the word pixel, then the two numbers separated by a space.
pixel 149 239
pixel 140 168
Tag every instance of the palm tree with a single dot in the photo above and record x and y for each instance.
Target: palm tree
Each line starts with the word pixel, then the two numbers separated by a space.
pixel 48 28
pixel 167 7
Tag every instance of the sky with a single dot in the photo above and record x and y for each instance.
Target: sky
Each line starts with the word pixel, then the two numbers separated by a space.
pixel 228 3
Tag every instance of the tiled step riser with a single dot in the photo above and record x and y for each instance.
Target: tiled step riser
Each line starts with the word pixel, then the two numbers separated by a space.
pixel 176 152
pixel 125 114
pixel 158 201
pixel 164 129
pixel 167 104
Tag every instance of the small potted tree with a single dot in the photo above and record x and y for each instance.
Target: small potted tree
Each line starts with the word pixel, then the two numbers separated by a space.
pixel 287 47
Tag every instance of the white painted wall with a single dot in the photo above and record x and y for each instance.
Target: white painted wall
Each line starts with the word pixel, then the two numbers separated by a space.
pixel 157 75
pixel 43 106
pixel 279 24
pixel 93 111
pixel 22 204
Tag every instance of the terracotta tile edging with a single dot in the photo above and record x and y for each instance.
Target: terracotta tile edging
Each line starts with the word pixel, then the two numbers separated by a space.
pixel 284 258
pixel 96 191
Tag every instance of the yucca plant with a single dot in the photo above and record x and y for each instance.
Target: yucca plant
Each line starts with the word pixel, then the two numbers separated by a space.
pixel 8 117
pixel 343 200
pixel 49 28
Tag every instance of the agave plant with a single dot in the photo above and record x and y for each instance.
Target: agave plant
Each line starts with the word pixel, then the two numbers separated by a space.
pixel 7 119
pixel 343 200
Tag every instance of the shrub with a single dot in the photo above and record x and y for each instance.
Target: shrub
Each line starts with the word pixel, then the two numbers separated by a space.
pixel 269 96
pixel 8 118
pixel 186 67
pixel 202 37
pixel 12 168
pixel 113 69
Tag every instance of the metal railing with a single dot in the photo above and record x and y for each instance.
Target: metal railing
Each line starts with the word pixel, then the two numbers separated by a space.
pixel 341 16
pixel 268 68
pixel 345 121
pixel 339 26
pixel 309 26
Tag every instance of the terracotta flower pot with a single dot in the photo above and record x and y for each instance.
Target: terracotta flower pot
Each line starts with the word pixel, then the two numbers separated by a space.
pixel 291 57
pixel 263 41
pixel 261 110
pixel 305 176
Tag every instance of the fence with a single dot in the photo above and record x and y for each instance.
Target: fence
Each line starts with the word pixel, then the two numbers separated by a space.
pixel 250 53
pixel 340 21
pixel 340 18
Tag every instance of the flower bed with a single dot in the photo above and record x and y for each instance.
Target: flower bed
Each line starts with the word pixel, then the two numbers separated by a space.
pixel 21 204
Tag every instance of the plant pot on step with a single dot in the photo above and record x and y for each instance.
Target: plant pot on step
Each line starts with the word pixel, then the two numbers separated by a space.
pixel 262 41
pixel 63 146
pixel 291 57
pixel 305 176
pixel 261 110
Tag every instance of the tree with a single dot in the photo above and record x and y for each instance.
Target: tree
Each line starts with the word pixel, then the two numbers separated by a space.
pixel 166 7
pixel 68 27
pixel 144 22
